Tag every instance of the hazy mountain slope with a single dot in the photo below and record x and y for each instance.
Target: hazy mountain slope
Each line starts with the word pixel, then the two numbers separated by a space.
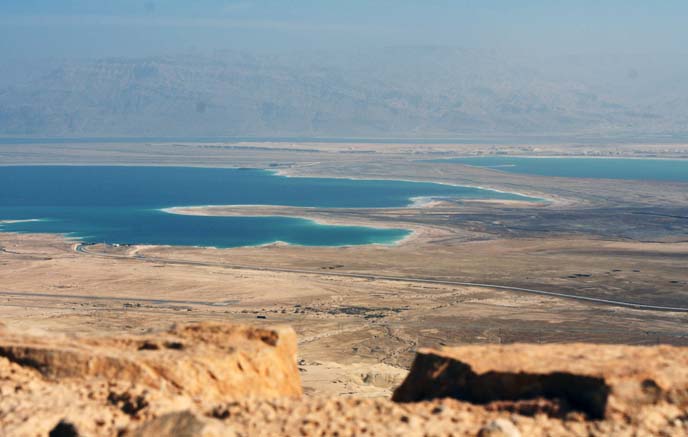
pixel 393 92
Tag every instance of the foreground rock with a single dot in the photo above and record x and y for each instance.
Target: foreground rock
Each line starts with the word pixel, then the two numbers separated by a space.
pixel 101 384
pixel 381 417
pixel 229 380
pixel 598 381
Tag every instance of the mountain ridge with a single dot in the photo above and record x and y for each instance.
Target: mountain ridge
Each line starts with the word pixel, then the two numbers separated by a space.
pixel 396 92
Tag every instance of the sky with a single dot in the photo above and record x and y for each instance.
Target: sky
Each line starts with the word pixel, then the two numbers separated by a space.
pixel 39 29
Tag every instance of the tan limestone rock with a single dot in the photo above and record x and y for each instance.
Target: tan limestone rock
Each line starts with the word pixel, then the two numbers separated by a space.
pixel 600 381
pixel 209 360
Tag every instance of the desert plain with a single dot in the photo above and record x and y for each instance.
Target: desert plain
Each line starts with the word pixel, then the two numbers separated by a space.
pixel 615 252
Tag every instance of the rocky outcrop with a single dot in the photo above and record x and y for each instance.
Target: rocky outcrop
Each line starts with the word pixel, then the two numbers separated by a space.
pixel 214 379
pixel 214 361
pixel 123 380
pixel 599 381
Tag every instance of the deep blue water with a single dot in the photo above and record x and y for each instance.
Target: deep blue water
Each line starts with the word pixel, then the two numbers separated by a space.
pixel 610 168
pixel 122 204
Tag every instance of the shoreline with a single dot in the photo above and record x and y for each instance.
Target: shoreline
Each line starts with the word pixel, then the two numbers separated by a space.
pixel 285 172
pixel 71 237
pixel 414 231
pixel 658 158
pixel 12 221
pixel 539 198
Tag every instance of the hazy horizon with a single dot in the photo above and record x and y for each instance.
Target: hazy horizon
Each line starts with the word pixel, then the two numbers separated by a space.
pixel 132 28
pixel 372 69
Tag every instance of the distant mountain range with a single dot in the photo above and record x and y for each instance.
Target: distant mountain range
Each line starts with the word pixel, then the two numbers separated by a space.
pixel 395 92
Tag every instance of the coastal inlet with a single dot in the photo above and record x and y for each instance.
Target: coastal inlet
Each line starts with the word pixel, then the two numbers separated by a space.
pixel 130 205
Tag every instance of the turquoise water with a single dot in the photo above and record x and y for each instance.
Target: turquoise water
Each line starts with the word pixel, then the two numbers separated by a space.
pixel 611 168
pixel 123 204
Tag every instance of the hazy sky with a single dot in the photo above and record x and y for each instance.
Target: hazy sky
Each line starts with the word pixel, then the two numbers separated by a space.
pixel 93 28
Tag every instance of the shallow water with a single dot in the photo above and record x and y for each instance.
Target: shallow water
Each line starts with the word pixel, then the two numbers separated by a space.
pixel 610 168
pixel 123 204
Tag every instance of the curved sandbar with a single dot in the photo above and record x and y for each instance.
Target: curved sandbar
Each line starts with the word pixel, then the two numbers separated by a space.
pixel 527 198
pixel 322 216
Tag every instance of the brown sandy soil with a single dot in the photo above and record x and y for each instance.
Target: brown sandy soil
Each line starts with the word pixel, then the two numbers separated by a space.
pixel 352 322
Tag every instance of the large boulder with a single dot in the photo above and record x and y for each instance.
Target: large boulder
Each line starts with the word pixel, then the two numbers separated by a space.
pixel 210 360
pixel 599 381
pixel 100 384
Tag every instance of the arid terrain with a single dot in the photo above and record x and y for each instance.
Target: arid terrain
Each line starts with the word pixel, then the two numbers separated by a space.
pixel 223 379
pixel 236 218
pixel 614 252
